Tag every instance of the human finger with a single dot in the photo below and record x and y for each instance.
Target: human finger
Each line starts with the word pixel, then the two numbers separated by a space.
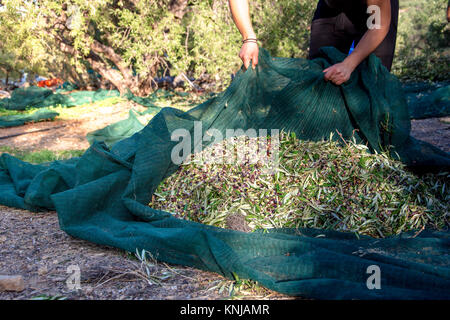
pixel 255 60
pixel 329 75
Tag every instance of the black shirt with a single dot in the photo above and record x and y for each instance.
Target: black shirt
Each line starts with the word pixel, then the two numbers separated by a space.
pixel 355 10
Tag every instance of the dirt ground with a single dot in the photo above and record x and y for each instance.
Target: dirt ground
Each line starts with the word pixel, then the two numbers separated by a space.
pixel 435 131
pixel 32 244
pixel 65 134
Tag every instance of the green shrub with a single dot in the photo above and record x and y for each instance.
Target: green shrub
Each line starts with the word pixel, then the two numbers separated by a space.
pixel 204 43
pixel 423 51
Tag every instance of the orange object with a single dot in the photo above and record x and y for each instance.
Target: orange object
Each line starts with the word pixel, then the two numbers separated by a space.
pixel 50 82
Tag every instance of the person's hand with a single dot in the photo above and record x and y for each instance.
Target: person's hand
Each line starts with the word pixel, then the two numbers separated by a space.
pixel 338 73
pixel 249 51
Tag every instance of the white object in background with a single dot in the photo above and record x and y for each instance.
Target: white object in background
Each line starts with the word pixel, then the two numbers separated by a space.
pixel 39 78
pixel 4 94
pixel 24 78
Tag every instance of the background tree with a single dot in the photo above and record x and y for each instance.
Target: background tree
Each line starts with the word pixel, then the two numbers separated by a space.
pixel 126 43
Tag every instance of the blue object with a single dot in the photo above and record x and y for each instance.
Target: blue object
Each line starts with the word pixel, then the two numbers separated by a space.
pixel 352 47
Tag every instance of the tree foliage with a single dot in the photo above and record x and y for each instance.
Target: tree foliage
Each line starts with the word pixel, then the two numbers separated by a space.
pixel 423 42
pixel 19 49
pixel 129 42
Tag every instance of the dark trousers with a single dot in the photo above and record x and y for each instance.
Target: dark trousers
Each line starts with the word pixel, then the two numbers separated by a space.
pixel 339 32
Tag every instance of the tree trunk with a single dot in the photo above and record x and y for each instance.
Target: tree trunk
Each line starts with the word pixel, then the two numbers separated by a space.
pixel 71 75
pixel 126 73
pixel 110 74
pixel 102 57
pixel 116 77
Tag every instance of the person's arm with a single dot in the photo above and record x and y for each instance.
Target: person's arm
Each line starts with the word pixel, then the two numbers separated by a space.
pixel 341 72
pixel 241 16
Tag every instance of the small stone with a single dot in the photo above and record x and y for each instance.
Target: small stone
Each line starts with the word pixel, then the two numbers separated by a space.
pixel 11 283
pixel 42 270
pixel 445 120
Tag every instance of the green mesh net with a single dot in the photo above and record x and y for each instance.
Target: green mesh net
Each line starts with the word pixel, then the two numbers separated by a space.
pixel 117 131
pixel 42 98
pixel 15 120
pixel 103 196
pixel 36 97
pixel 427 100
